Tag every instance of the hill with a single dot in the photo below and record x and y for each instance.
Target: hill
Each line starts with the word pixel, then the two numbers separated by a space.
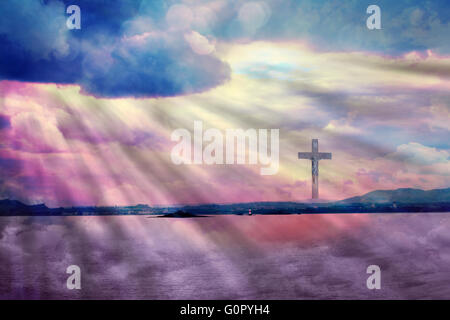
pixel 404 195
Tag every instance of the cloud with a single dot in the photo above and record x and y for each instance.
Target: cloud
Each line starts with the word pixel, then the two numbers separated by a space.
pixel 4 122
pixel 252 16
pixel 199 44
pixel 34 27
pixel 418 154
pixel 159 64
pixel 105 57
pixel 341 25
pixel 9 167
pixel 35 133
pixel 342 127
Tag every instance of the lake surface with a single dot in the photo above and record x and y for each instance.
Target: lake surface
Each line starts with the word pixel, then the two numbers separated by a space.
pixel 227 257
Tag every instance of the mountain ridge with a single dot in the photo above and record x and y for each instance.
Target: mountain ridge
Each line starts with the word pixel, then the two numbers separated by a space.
pixel 402 195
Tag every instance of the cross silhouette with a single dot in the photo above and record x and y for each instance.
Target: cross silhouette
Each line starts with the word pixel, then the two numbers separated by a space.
pixel 315 156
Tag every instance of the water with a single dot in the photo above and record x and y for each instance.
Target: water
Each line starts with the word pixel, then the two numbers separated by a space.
pixel 227 257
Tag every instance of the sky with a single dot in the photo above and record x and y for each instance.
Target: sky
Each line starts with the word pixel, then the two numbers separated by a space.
pixel 86 116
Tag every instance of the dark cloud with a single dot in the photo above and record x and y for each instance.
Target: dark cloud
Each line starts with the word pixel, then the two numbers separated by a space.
pixel 154 68
pixel 9 167
pixel 97 57
pixel 4 122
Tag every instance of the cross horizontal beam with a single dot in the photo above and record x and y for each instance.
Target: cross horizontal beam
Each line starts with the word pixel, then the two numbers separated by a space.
pixel 314 155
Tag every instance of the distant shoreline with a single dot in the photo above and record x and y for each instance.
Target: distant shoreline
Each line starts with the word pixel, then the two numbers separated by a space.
pixel 405 200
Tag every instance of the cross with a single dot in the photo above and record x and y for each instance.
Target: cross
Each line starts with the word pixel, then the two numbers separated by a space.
pixel 315 156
